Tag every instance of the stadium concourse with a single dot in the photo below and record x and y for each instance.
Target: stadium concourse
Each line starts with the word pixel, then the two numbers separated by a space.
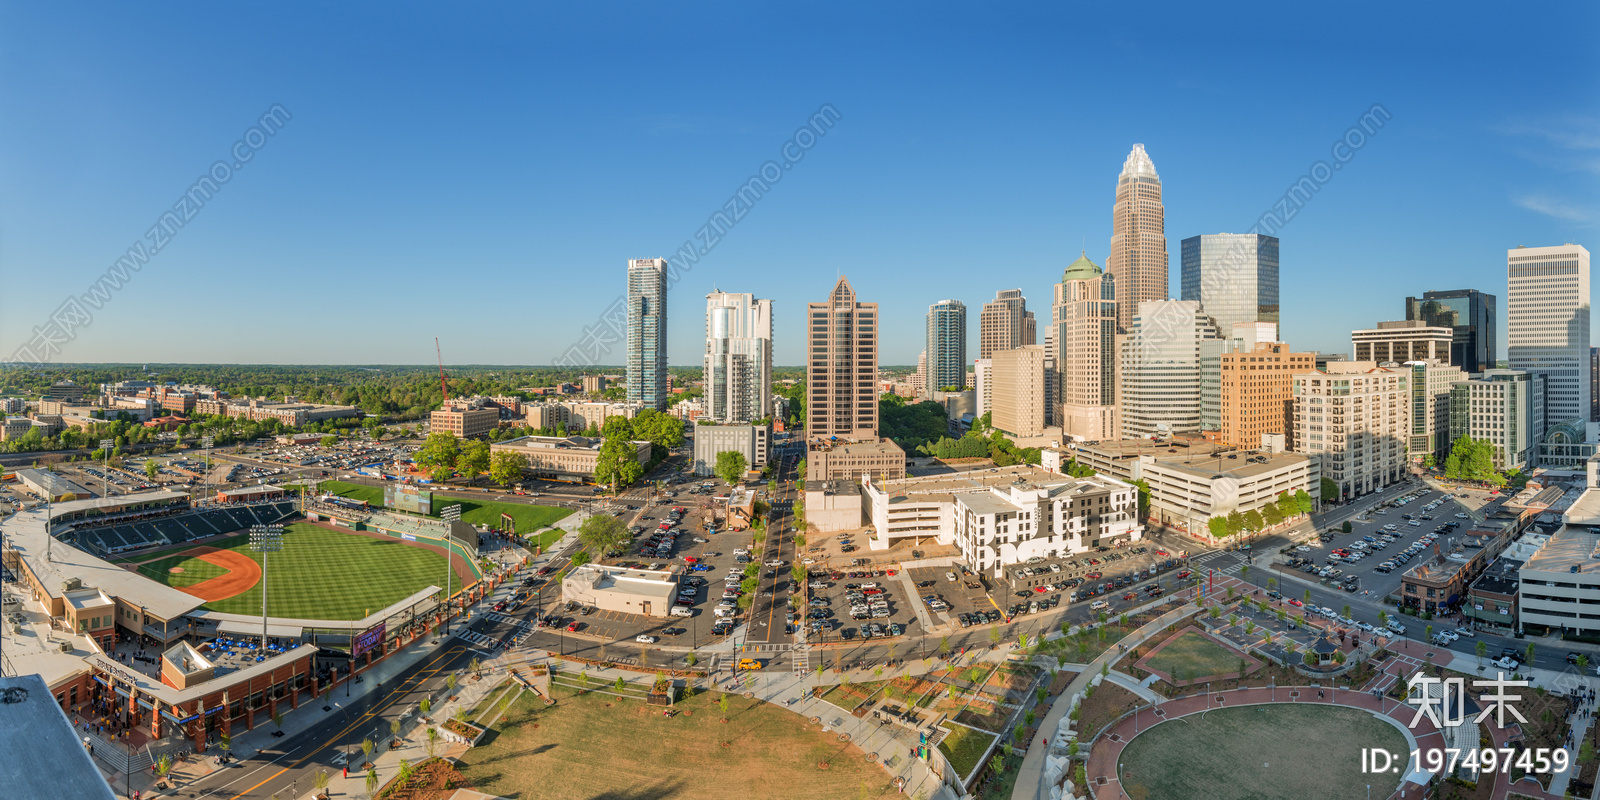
pixel 134 659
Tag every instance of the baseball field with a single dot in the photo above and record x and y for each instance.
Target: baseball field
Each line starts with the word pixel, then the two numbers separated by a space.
pixel 321 573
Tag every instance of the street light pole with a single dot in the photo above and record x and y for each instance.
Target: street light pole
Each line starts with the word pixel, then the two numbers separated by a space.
pixel 105 474
pixel 450 515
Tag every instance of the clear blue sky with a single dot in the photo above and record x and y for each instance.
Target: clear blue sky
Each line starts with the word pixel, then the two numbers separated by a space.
pixel 482 172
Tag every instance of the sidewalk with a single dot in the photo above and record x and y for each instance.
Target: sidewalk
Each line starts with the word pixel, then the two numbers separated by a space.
pixel 1031 775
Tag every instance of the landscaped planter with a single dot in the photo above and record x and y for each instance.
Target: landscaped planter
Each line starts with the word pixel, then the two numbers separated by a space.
pixel 468 732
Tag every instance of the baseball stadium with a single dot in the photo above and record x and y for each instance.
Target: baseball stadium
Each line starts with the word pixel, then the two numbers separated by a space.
pixel 147 609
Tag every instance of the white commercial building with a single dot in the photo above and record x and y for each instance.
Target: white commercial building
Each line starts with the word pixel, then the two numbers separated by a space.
pixel 752 441
pixel 1559 586
pixel 1356 417
pixel 1499 407
pixel 738 358
pixel 1002 517
pixel 1547 325
pixel 646 592
pixel 1160 368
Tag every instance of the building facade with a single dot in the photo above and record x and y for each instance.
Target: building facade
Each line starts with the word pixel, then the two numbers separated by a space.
pixel 1547 324
pixel 1083 331
pixel 562 458
pixel 1356 418
pixel 738 357
pixel 1233 276
pixel 1401 341
pixel 752 441
pixel 1498 407
pixel 1004 324
pixel 647 332
pixel 1470 316
pixel 946 356
pixel 1255 388
pixel 1185 493
pixel 1018 394
pixel 1138 258
pixel 842 366
pixel 848 461
pixel 1159 387
pixel 464 421
pixel 1431 386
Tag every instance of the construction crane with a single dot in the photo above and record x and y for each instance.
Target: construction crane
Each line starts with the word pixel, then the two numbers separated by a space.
pixel 443 387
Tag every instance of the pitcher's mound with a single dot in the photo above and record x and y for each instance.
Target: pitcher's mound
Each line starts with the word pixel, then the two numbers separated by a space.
pixel 175 570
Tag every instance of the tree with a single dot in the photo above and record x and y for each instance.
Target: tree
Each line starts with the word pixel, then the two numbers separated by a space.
pixel 320 778
pixel 1218 527
pixel 618 462
pixel 1253 521
pixel 1329 490
pixel 329 441
pixel 366 749
pixel 730 466
pixel 1144 498
pixel 151 469
pixel 394 727
pixel 1345 528
pixel 372 782
pixel 1272 514
pixel 164 766
pixel 403 772
pixel 1482 649
pixel 1303 501
pixel 505 467
pixel 1235 522
pixel 440 451
pixel 426 706
pixel 474 459
pixel 602 534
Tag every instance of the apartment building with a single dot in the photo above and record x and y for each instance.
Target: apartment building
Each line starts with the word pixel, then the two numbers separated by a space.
pixel 999 518
pixel 1005 323
pixel 1254 386
pixel 842 366
pixel 647 332
pixel 1355 417
pixel 466 422
pixel 944 362
pixel 1018 394
pixel 1083 333
pixel 594 384
pixel 738 357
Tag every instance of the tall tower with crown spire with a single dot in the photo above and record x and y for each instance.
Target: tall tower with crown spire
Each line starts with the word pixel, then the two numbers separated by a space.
pixel 1138 260
pixel 842 366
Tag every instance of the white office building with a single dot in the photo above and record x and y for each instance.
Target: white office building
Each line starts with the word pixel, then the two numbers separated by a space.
pixel 1160 369
pixel 1547 325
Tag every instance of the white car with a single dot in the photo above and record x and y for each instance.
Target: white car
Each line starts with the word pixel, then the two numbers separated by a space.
pixel 1465 632
pixel 950 576
pixel 777 562
pixel 1506 663
pixel 1449 635
pixel 1461 516
pixel 645 639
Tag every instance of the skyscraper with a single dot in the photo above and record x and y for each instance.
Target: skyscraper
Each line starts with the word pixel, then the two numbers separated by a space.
pixel 842 366
pixel 738 357
pixel 1159 393
pixel 1018 394
pixel 1547 325
pixel 1004 324
pixel 1083 330
pixel 1234 276
pixel 947 345
pixel 1138 237
pixel 1470 315
pixel 647 332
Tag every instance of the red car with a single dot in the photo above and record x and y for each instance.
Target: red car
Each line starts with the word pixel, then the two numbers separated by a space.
pixel 573 628
pixel 1129 596
pixel 500 606
pixel 1040 589
pixel 1161 553
pixel 1294 602
pixel 1092 576
pixel 1185 574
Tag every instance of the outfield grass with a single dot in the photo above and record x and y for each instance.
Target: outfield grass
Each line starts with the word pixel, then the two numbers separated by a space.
pixel 528 518
pixel 1283 750
pixel 194 570
pixel 487 512
pixel 321 574
pixel 575 752
pixel 1195 655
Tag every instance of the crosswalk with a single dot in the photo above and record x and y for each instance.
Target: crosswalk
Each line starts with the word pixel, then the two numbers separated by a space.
pixel 800 658
pixel 474 638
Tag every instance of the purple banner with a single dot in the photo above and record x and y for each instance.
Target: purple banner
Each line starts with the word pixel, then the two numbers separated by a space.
pixel 368 639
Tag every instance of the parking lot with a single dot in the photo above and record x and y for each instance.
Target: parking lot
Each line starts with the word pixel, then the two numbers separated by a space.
pixel 1381 547
pixel 843 602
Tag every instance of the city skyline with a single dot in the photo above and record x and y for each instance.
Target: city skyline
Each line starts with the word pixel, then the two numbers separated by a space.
pixel 432 172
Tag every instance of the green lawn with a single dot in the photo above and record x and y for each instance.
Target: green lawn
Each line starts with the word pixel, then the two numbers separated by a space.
pixel 1260 751
pixel 964 746
pixel 323 574
pixel 477 512
pixel 573 750
pixel 1194 655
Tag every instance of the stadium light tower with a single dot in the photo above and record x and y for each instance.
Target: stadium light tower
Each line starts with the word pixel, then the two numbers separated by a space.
pixel 105 452
pixel 207 442
pixel 450 515
pixel 265 539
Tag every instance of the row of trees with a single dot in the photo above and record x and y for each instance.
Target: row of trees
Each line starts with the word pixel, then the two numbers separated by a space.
pixel 1472 460
pixel 983 441
pixel 618 464
pixel 1284 507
